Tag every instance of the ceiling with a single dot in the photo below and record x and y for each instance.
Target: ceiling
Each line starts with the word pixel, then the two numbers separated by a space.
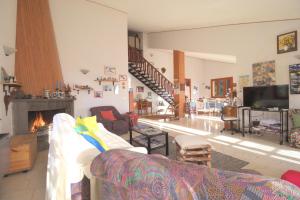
pixel 166 15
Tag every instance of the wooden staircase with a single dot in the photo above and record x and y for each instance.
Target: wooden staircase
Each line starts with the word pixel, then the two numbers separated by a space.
pixel 145 72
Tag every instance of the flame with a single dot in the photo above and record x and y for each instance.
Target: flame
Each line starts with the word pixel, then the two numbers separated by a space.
pixel 37 123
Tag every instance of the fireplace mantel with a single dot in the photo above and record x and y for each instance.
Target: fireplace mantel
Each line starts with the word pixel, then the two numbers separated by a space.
pixel 21 107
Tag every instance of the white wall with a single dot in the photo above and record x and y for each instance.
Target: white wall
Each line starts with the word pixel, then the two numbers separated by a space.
pixel 88 36
pixel 91 36
pixel 194 69
pixel 249 43
pixel 8 13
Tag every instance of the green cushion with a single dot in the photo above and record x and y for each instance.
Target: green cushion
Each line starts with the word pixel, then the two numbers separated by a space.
pixel 296 120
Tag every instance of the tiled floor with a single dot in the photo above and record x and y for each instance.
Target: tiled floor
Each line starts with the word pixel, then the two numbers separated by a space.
pixel 26 186
pixel 263 153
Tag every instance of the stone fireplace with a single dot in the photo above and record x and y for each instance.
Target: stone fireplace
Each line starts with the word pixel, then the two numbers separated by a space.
pixel 35 115
pixel 39 121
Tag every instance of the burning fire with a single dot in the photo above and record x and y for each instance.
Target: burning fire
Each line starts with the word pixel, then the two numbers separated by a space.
pixel 37 123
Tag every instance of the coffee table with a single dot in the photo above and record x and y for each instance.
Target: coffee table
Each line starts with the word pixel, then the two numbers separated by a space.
pixel 150 138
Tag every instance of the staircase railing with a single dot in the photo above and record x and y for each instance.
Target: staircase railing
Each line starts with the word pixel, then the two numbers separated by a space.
pixel 135 56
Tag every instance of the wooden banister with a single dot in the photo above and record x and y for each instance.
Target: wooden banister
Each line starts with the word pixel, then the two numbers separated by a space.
pixel 136 56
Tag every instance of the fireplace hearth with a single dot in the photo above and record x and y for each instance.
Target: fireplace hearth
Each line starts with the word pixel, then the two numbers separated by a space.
pixel 40 122
pixel 34 116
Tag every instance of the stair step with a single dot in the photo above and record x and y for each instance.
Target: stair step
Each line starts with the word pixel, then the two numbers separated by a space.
pixel 147 80
pixel 155 86
pixel 165 93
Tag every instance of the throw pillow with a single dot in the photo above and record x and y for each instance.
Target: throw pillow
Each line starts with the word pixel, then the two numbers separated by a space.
pixel 87 127
pixel 108 115
pixel 296 120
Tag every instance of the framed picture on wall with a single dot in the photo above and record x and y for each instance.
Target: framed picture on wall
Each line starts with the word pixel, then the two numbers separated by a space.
pixel 122 77
pixel 264 73
pixel 294 78
pixel 287 42
pixel 98 94
pixel 139 89
pixel 108 88
pixel 110 71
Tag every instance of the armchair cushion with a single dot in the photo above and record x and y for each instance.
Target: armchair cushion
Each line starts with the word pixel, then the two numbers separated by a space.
pixel 296 120
pixel 118 126
pixel 294 133
pixel 108 115
pixel 292 176
pixel 294 137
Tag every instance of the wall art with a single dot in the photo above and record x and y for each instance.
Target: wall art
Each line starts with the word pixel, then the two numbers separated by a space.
pixel 294 78
pixel 98 94
pixel 110 71
pixel 264 73
pixel 139 89
pixel 108 88
pixel 122 77
pixel 287 42
pixel 244 81
pixel 116 89
pixel 123 85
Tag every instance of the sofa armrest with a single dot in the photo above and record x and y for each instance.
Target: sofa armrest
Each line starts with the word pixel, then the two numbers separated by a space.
pixel 124 117
pixel 142 150
pixel 106 122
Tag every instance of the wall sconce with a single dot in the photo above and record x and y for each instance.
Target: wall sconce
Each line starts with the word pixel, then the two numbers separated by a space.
pixel 8 50
pixel 84 71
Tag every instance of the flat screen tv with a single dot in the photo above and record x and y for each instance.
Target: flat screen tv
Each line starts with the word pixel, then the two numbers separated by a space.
pixel 262 98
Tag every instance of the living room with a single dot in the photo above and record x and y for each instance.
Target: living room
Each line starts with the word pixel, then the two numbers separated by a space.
pixel 81 57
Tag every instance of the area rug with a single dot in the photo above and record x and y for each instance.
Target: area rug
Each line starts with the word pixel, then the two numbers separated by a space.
pixel 219 160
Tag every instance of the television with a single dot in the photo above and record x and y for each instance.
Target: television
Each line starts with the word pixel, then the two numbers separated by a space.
pixel 264 97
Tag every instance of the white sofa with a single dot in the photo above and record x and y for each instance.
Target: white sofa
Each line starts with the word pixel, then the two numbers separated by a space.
pixel 70 156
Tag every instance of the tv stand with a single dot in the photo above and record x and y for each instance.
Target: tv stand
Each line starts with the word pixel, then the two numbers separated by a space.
pixel 281 128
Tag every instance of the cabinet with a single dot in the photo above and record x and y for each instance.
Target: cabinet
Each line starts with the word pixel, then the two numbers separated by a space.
pixel 23 151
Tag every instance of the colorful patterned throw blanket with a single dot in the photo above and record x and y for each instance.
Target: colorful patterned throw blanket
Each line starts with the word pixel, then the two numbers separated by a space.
pixel 88 129
pixel 126 175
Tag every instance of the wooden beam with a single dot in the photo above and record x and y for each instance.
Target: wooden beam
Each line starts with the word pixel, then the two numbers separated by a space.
pixel 37 62
pixel 179 82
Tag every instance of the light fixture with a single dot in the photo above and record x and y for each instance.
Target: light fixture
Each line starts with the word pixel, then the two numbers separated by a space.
pixel 8 50
pixel 84 71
